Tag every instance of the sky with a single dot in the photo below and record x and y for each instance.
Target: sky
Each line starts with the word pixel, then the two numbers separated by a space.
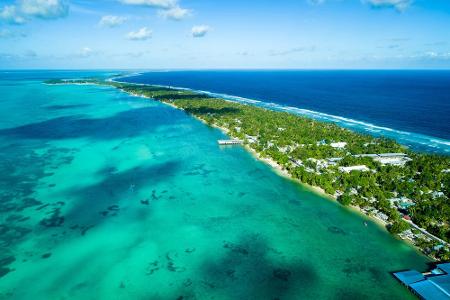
pixel 227 34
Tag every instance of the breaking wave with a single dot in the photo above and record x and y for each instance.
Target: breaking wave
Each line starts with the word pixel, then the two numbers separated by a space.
pixel 417 141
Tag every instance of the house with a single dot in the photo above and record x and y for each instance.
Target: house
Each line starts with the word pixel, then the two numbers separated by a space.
pixel 334 160
pixel 402 203
pixel 381 216
pixel 251 139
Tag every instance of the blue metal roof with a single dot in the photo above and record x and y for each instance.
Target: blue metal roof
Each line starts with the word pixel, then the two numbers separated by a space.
pixel 409 277
pixel 432 287
pixel 442 282
pixel 444 267
pixel 428 290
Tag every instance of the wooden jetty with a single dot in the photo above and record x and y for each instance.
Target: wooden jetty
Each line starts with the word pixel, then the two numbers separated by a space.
pixel 229 142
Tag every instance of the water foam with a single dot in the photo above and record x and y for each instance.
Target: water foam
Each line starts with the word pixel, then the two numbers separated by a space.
pixel 413 140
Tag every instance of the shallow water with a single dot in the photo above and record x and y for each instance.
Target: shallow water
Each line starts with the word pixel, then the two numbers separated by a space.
pixel 105 195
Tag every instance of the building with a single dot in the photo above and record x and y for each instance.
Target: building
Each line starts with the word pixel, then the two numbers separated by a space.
pixel 394 161
pixel 402 203
pixel 251 139
pixel 434 285
pixel 361 168
pixel 398 155
pixel 334 160
pixel 340 145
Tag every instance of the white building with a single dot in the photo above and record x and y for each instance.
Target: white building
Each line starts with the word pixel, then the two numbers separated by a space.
pixel 339 145
pixel 361 168
pixel 251 139
pixel 395 159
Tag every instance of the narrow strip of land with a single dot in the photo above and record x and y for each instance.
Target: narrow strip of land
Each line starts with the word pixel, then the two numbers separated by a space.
pixel 406 190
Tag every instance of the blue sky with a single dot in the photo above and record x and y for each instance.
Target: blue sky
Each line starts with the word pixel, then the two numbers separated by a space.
pixel 202 34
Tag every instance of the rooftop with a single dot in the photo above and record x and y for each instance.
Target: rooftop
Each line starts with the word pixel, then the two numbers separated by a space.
pixel 429 287
pixel 362 168
pixel 431 290
pixel 392 154
pixel 444 267
pixel 338 145
pixel 409 277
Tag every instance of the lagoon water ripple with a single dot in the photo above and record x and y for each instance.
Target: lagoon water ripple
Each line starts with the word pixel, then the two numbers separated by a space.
pixel 108 196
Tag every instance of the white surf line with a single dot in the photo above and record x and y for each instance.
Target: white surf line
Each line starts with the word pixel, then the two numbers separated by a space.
pixel 416 140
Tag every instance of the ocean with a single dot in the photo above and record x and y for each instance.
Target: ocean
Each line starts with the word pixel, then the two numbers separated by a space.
pixel 104 195
pixel 412 107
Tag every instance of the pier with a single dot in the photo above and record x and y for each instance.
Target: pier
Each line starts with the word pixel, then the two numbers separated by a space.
pixel 229 142
pixel 434 285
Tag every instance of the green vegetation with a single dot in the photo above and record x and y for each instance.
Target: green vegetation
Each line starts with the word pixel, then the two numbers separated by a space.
pixel 398 226
pixel 303 147
pixel 345 199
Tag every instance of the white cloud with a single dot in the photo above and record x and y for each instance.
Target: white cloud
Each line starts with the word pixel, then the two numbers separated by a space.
pixel 111 21
pixel 437 55
pixel 153 3
pixel 23 10
pixel 175 13
pixel 45 9
pixel 86 51
pixel 141 35
pixel 200 31
pixel 400 5
pixel 10 14
pixel 168 9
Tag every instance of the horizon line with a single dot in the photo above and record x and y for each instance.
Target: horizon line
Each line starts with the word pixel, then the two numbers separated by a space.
pixel 223 69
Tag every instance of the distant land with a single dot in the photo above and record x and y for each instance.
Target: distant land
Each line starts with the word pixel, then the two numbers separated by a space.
pixel 410 106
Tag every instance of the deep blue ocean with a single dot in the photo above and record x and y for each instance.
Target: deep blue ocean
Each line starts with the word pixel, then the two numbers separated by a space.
pixel 410 106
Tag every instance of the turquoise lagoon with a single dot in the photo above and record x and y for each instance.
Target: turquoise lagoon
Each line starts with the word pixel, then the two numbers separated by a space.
pixel 109 196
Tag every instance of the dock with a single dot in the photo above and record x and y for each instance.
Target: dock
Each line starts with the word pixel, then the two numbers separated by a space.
pixel 434 285
pixel 229 142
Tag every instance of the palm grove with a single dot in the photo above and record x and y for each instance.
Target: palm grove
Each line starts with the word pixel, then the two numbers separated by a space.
pixel 302 146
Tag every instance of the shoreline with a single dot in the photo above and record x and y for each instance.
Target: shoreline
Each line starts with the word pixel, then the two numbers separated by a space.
pixel 282 172
pixel 345 122
pixel 278 169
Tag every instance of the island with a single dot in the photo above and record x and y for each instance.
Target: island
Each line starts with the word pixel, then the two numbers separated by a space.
pixel 407 191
